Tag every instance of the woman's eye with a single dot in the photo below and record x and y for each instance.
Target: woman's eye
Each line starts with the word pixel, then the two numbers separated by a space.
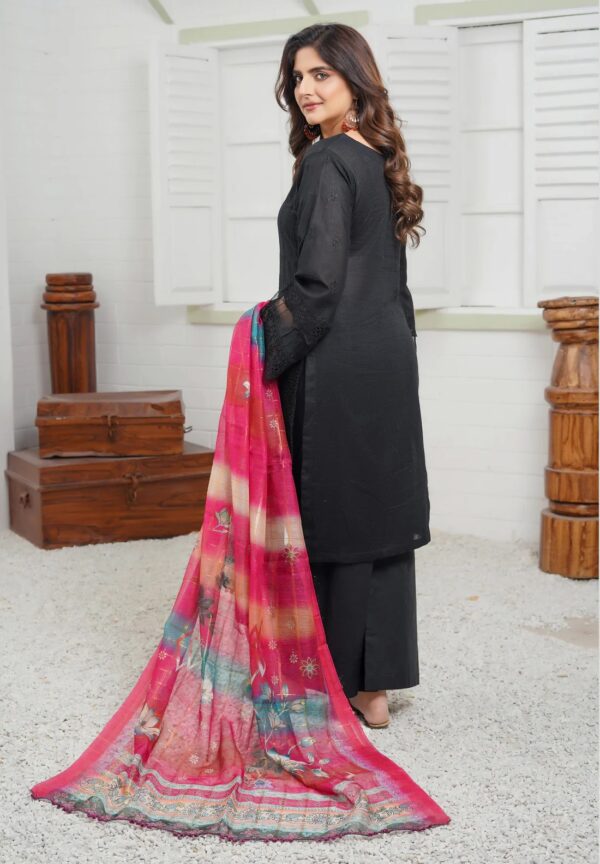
pixel 297 78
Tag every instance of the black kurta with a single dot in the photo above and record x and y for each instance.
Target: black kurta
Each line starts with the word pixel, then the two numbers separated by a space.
pixel 340 337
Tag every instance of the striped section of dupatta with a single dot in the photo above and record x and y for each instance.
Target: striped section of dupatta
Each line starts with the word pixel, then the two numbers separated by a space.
pixel 238 725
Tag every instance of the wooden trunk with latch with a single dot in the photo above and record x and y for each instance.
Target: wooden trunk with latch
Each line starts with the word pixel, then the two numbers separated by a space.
pixel 120 423
pixel 97 499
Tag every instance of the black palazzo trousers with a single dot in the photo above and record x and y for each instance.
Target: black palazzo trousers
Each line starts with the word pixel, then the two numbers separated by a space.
pixel 369 608
pixel 369 614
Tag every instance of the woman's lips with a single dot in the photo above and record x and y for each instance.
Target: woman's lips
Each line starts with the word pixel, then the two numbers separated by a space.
pixel 310 107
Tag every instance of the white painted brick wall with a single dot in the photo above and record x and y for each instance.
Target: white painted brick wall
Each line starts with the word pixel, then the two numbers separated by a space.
pixel 78 198
pixel 485 424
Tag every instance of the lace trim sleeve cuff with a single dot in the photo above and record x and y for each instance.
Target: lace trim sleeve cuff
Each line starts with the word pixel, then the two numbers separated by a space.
pixel 282 348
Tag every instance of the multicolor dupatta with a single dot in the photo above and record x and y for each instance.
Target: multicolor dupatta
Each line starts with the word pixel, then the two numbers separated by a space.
pixel 239 726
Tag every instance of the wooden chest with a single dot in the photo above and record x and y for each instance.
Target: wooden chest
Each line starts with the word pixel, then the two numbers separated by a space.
pixel 96 499
pixel 120 423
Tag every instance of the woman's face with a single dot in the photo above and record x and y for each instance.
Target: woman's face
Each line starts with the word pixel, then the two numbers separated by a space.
pixel 322 94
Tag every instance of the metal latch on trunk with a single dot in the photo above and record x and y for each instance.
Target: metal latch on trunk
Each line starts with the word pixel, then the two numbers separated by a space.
pixel 134 482
pixel 112 426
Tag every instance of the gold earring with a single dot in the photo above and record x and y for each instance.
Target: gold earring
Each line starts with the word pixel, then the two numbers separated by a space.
pixel 353 121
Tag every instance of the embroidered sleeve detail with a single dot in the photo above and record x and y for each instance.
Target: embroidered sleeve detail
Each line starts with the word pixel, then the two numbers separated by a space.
pixel 291 330
pixel 304 317
pixel 283 342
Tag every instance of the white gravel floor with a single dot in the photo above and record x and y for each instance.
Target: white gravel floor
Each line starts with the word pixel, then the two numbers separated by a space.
pixel 502 730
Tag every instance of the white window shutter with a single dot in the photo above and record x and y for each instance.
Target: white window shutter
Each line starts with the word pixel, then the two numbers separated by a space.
pixel 561 146
pixel 419 66
pixel 184 104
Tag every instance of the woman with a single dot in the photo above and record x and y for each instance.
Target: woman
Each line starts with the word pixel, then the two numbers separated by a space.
pixel 238 725
pixel 340 339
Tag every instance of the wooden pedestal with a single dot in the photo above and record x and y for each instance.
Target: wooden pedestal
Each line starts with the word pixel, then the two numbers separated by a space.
pixel 569 525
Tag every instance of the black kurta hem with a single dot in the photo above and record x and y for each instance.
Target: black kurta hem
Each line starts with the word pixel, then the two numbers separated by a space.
pixel 334 555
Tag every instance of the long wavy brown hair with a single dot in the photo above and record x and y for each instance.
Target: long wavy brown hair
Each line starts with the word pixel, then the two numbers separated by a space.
pixel 348 52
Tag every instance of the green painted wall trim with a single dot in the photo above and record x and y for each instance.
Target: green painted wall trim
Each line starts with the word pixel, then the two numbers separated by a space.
pixel 161 11
pixel 478 318
pixel 481 8
pixel 252 29
pixel 451 318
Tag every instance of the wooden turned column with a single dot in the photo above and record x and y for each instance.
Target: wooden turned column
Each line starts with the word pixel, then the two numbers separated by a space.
pixel 70 301
pixel 569 525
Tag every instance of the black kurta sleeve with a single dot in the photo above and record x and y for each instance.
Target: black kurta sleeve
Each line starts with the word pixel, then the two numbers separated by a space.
pixel 302 312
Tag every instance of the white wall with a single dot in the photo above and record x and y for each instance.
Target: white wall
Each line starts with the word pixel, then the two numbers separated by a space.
pixel 7 420
pixel 486 429
pixel 78 187
pixel 78 195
